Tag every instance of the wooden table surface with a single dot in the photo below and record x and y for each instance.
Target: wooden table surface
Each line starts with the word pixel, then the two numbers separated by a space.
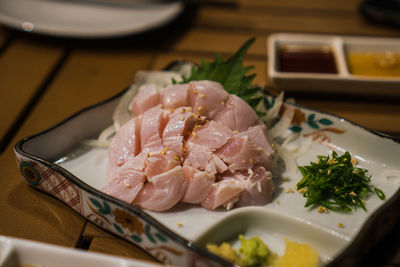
pixel 45 79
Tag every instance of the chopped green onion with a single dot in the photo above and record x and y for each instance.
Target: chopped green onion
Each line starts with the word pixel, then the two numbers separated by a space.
pixel 334 183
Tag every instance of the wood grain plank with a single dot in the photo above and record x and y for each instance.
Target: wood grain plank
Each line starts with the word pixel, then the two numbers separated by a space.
pixel 29 214
pixel 343 5
pixel 246 21
pixel 104 242
pixel 87 77
pixel 24 66
pixel 209 41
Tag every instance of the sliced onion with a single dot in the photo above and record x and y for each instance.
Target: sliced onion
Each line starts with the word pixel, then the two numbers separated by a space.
pixel 288 158
pixel 304 147
pixel 284 123
pixel 273 112
pixel 95 143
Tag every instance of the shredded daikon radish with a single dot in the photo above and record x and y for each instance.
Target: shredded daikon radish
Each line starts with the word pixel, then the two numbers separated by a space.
pixel 272 112
pixel 280 127
pixel 288 158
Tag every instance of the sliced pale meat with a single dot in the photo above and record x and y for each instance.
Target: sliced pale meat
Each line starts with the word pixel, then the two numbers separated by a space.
pixel 158 163
pixel 162 191
pixel 212 135
pixel 125 144
pixel 260 190
pixel 192 143
pixel 203 158
pixel 222 192
pixel 153 123
pixel 199 183
pixel 244 114
pixel 258 136
pixel 180 121
pixel 146 98
pixel 126 184
pixel 174 96
pixel 236 114
pixel 241 154
pixel 197 156
pixel 206 97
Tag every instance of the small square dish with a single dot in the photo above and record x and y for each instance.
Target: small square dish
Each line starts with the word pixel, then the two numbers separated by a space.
pixel 330 63
pixel 59 162
pixel 15 252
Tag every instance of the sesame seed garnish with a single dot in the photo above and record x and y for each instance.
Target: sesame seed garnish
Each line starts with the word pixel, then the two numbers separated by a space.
pixel 162 106
pixel 189 108
pixel 352 194
pixel 202 96
pixel 182 118
pixel 176 158
pixel 354 161
pixel 171 110
pixel 195 91
pixel 194 134
pixel 222 103
pixel 277 202
pixel 322 209
pixel 251 161
pixel 340 225
pixel 127 185
pixel 235 131
pixel 183 110
pixel 289 190
pixel 179 224
pixel 199 108
pixel 302 190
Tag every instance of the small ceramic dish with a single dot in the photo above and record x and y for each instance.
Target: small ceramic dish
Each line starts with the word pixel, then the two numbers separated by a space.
pixel 358 65
pixel 15 252
pixel 58 162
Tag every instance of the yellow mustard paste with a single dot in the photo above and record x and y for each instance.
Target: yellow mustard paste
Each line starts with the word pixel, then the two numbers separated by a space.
pixel 378 64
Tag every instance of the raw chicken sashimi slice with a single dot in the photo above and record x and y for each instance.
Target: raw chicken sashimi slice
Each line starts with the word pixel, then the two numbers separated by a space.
pixel 223 192
pixel 258 136
pixel 198 185
pixel 162 191
pixel 260 190
pixel 126 184
pixel 181 120
pixel 241 154
pixel 158 163
pixel 174 96
pixel 237 114
pixel 153 122
pixel 212 135
pixel 146 98
pixel 125 144
pixel 202 158
pixel 206 97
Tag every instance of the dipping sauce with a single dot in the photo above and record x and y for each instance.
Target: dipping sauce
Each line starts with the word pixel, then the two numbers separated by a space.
pixel 310 59
pixel 379 64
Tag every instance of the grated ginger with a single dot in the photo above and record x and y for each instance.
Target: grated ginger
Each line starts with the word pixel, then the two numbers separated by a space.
pixel 297 255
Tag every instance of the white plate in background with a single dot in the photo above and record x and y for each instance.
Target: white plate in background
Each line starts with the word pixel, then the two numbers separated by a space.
pixel 20 252
pixel 85 19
